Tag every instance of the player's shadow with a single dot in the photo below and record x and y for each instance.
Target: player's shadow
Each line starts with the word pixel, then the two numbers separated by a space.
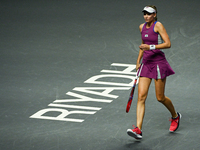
pixel 137 145
pixel 153 143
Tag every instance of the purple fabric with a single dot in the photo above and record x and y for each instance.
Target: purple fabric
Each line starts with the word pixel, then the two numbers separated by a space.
pixel 150 70
pixel 154 64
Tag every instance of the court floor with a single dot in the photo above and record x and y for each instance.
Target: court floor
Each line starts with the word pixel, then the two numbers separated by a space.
pixel 67 68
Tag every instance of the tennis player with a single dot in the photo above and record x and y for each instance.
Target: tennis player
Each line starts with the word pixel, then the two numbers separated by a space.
pixel 154 66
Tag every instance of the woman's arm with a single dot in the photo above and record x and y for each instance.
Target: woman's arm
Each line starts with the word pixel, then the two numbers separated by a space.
pixel 163 33
pixel 139 59
pixel 140 55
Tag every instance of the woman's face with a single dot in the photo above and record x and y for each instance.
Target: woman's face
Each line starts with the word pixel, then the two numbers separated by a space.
pixel 149 17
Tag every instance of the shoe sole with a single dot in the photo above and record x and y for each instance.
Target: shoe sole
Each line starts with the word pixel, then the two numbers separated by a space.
pixel 178 124
pixel 133 134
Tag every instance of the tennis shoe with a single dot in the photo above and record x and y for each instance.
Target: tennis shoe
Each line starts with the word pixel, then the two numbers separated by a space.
pixel 175 123
pixel 136 133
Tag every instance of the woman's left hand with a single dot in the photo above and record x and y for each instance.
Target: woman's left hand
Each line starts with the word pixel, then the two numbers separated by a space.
pixel 144 47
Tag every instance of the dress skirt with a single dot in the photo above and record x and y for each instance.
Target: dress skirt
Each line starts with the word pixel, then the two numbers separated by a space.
pixel 155 69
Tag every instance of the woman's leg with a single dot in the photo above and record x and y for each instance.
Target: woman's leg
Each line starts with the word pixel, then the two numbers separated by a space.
pixel 160 95
pixel 143 88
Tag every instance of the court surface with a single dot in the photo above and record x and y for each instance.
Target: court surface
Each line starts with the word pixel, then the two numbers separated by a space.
pixel 67 68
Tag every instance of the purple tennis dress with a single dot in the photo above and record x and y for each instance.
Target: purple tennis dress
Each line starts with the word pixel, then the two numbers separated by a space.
pixel 154 64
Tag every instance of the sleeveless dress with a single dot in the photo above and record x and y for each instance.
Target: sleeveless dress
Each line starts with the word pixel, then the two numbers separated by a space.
pixel 154 64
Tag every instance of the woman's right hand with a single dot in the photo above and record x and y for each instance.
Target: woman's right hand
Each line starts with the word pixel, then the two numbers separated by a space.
pixel 137 66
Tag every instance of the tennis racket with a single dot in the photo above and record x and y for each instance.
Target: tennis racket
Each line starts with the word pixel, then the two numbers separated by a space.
pixel 132 91
pixel 131 96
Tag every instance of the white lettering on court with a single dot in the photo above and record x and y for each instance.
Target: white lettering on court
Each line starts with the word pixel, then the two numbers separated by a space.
pixel 63 108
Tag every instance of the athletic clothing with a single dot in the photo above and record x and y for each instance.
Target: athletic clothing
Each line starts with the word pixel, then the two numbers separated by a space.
pixel 154 64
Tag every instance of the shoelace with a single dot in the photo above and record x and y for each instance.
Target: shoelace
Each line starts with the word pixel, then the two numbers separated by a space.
pixel 138 131
pixel 173 120
pixel 134 126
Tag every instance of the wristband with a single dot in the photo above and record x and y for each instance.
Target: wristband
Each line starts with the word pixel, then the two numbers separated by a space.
pixel 152 47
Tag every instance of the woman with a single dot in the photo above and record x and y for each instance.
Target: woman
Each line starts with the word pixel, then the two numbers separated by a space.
pixel 154 66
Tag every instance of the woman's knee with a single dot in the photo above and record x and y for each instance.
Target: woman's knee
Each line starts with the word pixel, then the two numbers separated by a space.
pixel 160 98
pixel 142 98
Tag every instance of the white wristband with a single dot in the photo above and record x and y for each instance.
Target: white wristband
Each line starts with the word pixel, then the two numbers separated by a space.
pixel 152 47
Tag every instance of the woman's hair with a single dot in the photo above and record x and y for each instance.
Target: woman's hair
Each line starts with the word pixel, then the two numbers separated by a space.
pixel 154 7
